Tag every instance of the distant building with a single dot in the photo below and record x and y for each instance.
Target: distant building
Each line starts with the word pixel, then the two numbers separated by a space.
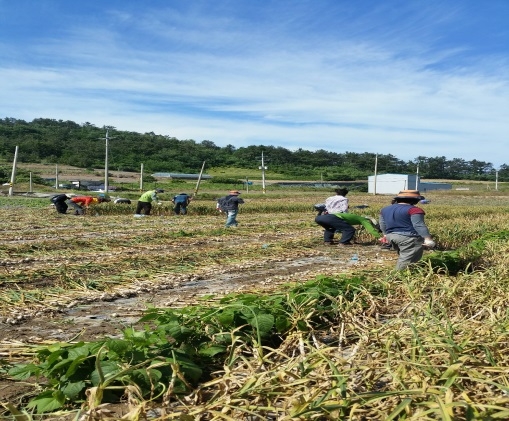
pixel 100 188
pixel 180 176
pixel 90 185
pixel 394 183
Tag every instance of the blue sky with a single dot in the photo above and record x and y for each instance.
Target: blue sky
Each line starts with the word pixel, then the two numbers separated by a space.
pixel 403 77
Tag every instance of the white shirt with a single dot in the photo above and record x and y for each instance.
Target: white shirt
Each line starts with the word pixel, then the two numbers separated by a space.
pixel 336 204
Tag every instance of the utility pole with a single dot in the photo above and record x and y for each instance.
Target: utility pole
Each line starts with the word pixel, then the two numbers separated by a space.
pixel 263 168
pixel 56 176
pixel 106 169
pixel 141 178
pixel 374 178
pixel 417 178
pixel 496 180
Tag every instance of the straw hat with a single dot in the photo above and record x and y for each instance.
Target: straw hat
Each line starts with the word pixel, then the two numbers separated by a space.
pixel 409 194
pixel 235 192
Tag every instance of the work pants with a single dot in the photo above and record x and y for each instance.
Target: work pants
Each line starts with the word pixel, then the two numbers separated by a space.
pixel 231 220
pixel 61 207
pixel 146 207
pixel 331 224
pixel 410 249
pixel 180 208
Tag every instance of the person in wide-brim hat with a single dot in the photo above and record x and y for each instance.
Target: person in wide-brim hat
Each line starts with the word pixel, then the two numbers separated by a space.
pixel 403 225
pixel 409 194
pixel 231 207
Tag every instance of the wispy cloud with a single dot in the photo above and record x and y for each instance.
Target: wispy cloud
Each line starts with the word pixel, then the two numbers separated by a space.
pixel 397 77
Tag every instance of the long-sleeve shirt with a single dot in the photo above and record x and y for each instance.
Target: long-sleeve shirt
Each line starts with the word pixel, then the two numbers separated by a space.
pixel 233 202
pixel 84 200
pixel 336 204
pixel 181 198
pixel 149 196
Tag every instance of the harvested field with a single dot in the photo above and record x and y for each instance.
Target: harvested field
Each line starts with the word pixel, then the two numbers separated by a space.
pixel 57 262
pixel 73 279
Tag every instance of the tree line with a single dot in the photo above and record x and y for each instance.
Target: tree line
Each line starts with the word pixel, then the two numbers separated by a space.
pixel 52 141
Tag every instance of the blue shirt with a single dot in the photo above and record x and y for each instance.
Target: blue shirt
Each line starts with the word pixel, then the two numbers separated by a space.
pixel 403 219
pixel 181 198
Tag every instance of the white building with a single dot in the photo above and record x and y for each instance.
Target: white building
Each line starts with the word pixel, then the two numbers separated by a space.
pixel 181 176
pixel 394 183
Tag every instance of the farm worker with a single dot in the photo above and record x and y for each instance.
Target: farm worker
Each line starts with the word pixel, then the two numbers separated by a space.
pixel 181 201
pixel 81 203
pixel 60 202
pixel 230 205
pixel 403 225
pixel 145 201
pixel 334 204
pixel 337 203
pixel 343 222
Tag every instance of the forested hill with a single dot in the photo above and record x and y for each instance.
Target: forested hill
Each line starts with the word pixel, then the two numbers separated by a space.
pixel 82 145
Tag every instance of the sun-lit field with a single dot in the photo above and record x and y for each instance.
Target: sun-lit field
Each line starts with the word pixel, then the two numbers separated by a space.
pixel 261 322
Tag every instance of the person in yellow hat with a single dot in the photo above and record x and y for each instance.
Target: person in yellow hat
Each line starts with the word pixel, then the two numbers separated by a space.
pixel 403 224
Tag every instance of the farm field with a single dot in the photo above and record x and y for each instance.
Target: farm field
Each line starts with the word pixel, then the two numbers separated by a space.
pixel 425 344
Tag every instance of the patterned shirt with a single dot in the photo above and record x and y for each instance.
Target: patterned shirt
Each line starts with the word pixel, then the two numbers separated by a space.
pixel 336 204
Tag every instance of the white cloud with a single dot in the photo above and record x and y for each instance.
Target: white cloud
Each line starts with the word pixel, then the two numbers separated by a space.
pixel 369 86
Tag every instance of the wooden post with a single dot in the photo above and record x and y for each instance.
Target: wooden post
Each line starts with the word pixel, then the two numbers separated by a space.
pixel 13 174
pixel 141 178
pixel 199 180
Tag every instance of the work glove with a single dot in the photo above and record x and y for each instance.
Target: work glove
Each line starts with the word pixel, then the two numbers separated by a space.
pixel 429 243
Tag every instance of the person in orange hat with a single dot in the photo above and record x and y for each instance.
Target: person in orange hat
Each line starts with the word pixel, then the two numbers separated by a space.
pixel 230 205
pixel 403 225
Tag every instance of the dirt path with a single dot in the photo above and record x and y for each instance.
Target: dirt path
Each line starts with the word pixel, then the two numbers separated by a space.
pixel 98 315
